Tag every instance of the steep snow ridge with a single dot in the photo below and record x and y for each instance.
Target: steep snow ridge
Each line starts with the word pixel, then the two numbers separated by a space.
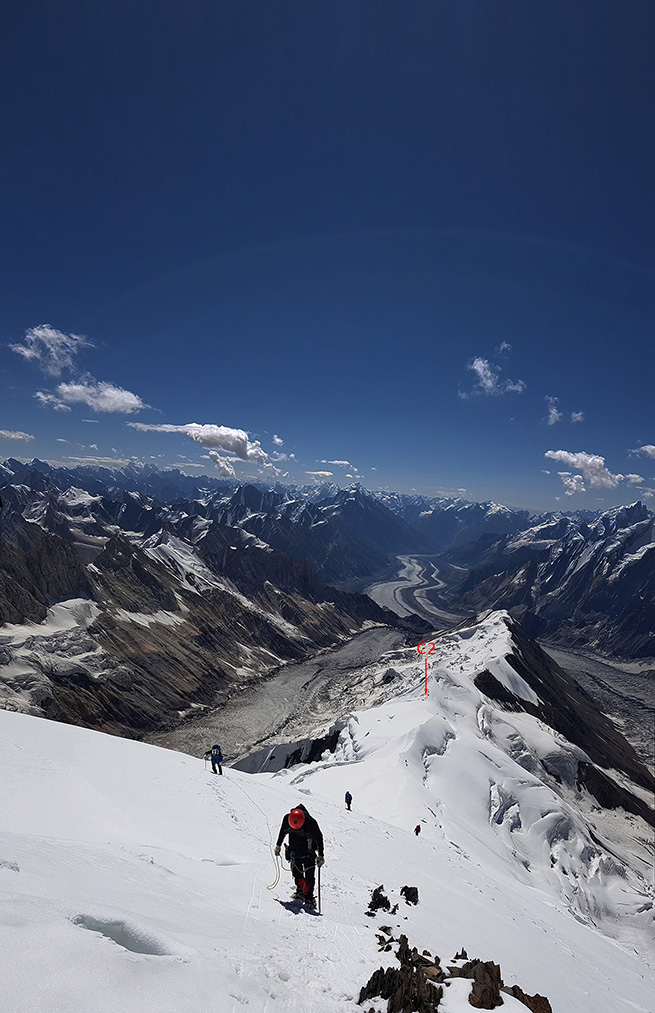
pixel 135 879
pixel 485 646
pixel 492 782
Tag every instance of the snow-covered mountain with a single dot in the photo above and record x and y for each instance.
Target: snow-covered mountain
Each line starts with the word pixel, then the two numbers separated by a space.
pixel 134 878
pixel 459 522
pixel 585 583
pixel 149 611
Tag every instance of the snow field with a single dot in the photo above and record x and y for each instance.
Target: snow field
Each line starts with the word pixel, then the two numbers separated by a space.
pixel 132 878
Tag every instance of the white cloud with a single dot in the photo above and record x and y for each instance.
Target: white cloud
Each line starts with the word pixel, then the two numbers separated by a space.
pixel 49 399
pixel 224 465
pixel 339 464
pixel 577 417
pixel 109 462
pixel 60 440
pixel 14 434
pixel 488 381
pixel 592 467
pixel 278 457
pixel 101 396
pixel 554 414
pixel 232 441
pixel 277 441
pixel 648 450
pixel 634 479
pixel 319 474
pixel 504 346
pixel 50 349
pixel 572 483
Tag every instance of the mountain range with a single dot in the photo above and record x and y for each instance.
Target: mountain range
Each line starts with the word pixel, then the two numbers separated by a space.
pixel 195 586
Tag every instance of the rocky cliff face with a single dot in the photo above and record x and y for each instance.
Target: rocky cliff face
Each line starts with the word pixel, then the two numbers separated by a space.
pixel 37 568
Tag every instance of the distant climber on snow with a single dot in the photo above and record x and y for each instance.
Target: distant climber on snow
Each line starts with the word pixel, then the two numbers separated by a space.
pixel 215 755
pixel 303 852
pixel 417 829
pixel 349 799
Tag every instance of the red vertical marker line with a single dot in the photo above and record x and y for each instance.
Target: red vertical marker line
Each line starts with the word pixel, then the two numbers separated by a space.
pixel 426 676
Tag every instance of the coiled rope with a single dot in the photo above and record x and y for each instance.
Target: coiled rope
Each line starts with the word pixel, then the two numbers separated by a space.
pixel 277 861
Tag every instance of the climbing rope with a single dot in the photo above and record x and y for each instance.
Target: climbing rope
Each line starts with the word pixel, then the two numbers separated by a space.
pixel 270 839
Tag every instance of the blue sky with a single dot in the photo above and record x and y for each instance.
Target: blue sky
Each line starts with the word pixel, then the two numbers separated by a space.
pixel 413 239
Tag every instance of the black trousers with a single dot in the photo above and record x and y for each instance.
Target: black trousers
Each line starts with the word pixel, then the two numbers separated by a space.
pixel 303 870
pixel 214 766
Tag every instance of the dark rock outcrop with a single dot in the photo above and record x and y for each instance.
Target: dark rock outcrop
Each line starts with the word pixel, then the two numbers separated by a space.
pixel 379 901
pixel 410 893
pixel 537 1003
pixel 487 982
pixel 418 984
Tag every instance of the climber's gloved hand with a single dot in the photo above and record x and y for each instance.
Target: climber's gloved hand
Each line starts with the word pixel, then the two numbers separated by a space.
pixel 277 849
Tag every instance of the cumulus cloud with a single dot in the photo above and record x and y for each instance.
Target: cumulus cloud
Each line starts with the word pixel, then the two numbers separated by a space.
pixel 320 474
pixel 341 464
pixel 577 417
pixel 51 350
pixel 277 441
pixel 634 479
pixel 488 380
pixel 224 465
pixel 231 441
pixel 101 396
pixel 648 450
pixel 592 467
pixel 572 483
pixel 554 414
pixel 14 434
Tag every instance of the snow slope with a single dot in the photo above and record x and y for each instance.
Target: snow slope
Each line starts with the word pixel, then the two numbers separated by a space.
pixel 132 878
